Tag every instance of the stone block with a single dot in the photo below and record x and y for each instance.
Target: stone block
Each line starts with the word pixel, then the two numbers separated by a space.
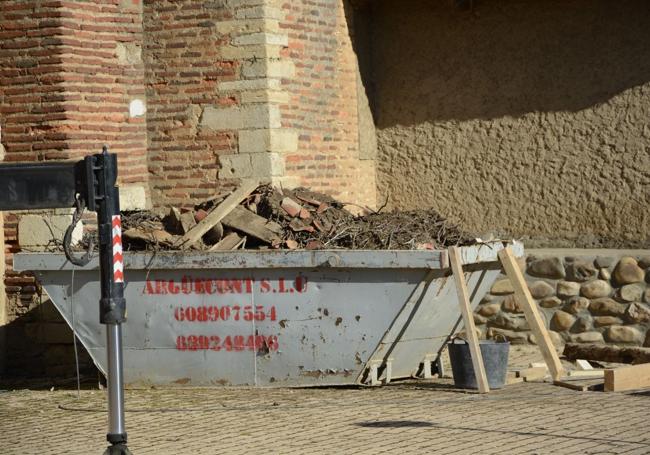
pixel 253 116
pixel 37 231
pixel 262 83
pixel 551 267
pixel 540 289
pixel 268 140
pixel 128 53
pixel 264 96
pixel 586 337
pixel 502 287
pixel 133 197
pixel 623 334
pixel 277 39
pixel 250 52
pixel 259 12
pixel 283 69
pixel 596 289
pixel 627 271
pixel 252 165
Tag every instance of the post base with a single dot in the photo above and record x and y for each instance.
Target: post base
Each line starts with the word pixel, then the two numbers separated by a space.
pixel 117 449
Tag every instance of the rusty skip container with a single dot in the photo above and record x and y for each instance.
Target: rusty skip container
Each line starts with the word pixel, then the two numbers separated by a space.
pixel 272 318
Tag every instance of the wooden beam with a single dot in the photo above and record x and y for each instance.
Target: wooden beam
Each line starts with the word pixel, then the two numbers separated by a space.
pixel 525 300
pixel 229 242
pixel 254 225
pixel 468 320
pixel 627 378
pixel 218 213
pixel 604 353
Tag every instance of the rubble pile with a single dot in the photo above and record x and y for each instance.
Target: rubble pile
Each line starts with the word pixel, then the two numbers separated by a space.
pixel 261 217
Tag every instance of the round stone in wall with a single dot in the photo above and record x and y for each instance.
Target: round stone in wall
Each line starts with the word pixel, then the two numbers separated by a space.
pixel 550 302
pixel 583 324
pixel 502 287
pixel 628 271
pixel 561 321
pixel 511 305
pixel 605 274
pixel 631 292
pixel 646 296
pixel 603 262
pixel 586 337
pixel 607 307
pixel 581 271
pixel 637 313
pixel 506 321
pixel 595 289
pixel 540 289
pixel 552 267
pixel 576 305
pixel 604 321
pixel 489 310
pixel 567 289
pixel 623 334
pixel 556 338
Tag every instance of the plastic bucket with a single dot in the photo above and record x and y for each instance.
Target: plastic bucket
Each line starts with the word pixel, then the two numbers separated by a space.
pixel 495 360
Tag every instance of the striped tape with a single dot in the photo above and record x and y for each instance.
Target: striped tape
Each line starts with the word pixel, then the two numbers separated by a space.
pixel 118 259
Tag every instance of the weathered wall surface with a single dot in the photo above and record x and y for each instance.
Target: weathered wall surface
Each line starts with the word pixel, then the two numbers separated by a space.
pixel 528 118
pixel 326 103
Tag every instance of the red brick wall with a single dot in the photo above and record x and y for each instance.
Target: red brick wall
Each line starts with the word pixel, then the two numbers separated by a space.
pixel 183 67
pixel 65 89
pixel 323 102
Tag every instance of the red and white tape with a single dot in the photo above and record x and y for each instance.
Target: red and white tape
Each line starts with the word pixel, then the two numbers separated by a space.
pixel 118 259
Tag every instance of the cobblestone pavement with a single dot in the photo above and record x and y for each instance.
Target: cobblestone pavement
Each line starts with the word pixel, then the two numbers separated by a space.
pixel 411 417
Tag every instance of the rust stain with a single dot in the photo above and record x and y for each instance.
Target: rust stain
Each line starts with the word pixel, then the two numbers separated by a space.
pixel 357 317
pixel 338 321
pixel 283 323
pixel 221 381
pixel 182 381
pixel 326 312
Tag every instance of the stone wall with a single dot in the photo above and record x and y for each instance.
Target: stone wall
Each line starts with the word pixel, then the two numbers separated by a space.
pixel 526 118
pixel 584 296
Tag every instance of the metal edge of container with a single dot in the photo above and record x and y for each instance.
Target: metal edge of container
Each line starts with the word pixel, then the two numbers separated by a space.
pixel 381 259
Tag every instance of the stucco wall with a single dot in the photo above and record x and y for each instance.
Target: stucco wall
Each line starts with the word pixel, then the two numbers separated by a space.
pixel 524 117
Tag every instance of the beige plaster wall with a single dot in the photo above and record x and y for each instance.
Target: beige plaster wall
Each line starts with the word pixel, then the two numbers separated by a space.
pixel 522 117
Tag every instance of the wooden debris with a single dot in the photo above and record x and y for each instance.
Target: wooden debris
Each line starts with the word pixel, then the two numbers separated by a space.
pixel 605 353
pixel 627 378
pixel 187 222
pixel 229 242
pixel 586 373
pixel 291 244
pixel 580 387
pixel 533 373
pixel 582 364
pixel 155 236
pixel 254 225
pixel 218 213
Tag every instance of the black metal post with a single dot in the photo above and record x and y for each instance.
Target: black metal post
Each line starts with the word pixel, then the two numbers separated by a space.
pixel 112 303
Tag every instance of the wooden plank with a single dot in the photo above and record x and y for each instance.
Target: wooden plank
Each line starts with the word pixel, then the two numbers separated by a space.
pixel 468 320
pixel 584 365
pixel 218 213
pixel 254 225
pixel 525 300
pixel 533 373
pixel 627 378
pixel 229 242
pixel 605 353
pixel 586 374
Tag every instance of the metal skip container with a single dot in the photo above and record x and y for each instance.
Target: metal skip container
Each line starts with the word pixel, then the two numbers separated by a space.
pixel 272 318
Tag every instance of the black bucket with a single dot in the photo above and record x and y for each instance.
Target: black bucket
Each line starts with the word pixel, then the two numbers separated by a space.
pixel 495 360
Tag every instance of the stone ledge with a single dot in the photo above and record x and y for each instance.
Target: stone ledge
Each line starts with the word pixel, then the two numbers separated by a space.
pixel 250 116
